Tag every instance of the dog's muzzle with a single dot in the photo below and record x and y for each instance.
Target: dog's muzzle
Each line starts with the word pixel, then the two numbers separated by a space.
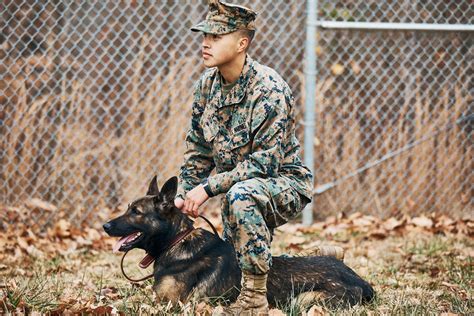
pixel 107 227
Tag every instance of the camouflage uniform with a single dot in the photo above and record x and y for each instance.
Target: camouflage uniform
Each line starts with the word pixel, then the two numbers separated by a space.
pixel 248 137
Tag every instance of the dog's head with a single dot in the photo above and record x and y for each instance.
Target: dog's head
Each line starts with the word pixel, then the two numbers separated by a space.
pixel 150 221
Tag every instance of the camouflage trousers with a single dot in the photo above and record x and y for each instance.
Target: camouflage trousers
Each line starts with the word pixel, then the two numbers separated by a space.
pixel 251 209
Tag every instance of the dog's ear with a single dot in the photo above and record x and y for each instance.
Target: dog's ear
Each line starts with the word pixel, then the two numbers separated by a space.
pixel 153 187
pixel 168 191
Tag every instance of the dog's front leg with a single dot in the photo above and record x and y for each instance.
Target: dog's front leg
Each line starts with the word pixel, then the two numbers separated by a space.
pixel 168 288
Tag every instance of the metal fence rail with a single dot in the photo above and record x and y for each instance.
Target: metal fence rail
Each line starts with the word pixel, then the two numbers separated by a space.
pixel 95 98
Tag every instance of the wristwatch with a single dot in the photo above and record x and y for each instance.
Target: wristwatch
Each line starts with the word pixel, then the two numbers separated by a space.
pixel 206 187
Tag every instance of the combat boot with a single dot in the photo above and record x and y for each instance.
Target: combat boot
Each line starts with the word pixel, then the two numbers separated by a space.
pixel 252 300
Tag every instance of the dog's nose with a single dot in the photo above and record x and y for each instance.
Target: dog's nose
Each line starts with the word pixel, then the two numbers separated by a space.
pixel 107 226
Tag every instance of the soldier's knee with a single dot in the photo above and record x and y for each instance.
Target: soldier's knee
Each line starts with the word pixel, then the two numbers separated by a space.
pixel 243 191
pixel 240 191
pixel 243 195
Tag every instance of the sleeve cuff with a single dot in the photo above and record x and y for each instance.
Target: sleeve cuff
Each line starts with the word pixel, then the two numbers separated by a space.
pixel 219 183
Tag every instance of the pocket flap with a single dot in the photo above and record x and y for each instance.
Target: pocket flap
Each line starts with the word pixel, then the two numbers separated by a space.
pixel 240 139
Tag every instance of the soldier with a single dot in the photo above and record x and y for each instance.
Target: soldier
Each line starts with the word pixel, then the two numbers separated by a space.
pixel 242 126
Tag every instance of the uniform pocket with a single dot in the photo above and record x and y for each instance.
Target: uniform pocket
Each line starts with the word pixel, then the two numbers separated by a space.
pixel 240 139
pixel 238 147
pixel 286 203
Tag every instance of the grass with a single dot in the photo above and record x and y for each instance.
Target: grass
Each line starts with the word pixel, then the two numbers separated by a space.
pixel 418 273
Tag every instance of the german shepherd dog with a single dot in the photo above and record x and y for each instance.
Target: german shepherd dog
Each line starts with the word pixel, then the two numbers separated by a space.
pixel 202 265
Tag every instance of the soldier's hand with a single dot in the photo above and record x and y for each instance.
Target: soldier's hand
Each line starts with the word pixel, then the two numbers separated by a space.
pixel 194 199
pixel 179 202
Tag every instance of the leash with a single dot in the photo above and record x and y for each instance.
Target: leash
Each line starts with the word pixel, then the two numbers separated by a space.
pixel 210 224
pixel 129 278
pixel 149 259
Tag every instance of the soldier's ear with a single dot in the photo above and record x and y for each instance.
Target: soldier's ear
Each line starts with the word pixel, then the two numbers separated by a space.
pixel 153 187
pixel 243 44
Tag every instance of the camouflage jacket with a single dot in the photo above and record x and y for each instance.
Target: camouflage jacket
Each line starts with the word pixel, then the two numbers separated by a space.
pixel 248 133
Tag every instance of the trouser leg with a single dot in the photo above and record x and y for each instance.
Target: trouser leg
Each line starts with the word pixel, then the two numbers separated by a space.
pixel 251 209
pixel 245 226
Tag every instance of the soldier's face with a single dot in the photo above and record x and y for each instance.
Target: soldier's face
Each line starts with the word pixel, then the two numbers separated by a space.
pixel 219 50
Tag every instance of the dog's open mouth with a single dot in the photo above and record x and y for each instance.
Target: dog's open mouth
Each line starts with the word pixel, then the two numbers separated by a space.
pixel 127 242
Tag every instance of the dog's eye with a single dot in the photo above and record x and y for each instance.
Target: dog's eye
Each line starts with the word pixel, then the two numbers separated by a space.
pixel 135 210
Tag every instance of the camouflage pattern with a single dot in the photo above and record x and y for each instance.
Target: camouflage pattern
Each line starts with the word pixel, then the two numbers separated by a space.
pixel 248 134
pixel 248 137
pixel 250 212
pixel 224 18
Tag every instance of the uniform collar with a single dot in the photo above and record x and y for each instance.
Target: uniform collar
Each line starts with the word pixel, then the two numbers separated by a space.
pixel 238 91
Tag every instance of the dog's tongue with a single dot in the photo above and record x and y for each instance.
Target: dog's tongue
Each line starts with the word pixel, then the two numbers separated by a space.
pixel 123 240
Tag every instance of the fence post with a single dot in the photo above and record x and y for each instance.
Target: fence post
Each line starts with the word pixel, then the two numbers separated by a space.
pixel 310 88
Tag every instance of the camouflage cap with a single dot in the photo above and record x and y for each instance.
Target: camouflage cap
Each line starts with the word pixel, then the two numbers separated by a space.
pixel 226 18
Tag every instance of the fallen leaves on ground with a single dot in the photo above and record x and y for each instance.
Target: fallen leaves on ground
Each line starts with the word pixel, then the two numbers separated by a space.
pixel 22 242
pixel 23 239
pixel 378 228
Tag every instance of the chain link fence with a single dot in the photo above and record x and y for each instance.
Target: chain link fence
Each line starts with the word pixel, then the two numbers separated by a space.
pixel 95 98
pixel 392 130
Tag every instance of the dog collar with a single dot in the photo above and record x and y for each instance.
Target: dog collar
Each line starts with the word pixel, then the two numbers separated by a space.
pixel 149 259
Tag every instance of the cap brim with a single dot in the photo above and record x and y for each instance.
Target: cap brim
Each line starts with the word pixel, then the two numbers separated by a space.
pixel 211 28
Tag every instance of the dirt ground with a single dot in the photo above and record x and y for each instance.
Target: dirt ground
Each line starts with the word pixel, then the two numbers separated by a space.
pixel 418 266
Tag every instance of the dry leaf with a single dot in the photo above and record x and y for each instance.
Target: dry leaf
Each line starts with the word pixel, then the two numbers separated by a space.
pixel 363 221
pixel 34 252
pixel 62 228
pixel 378 233
pixel 392 223
pixel 330 220
pixel 111 293
pixel 3 242
pixel 450 285
pixel 93 234
pixel 203 309
pixel 316 142
pixel 411 204
pixel 354 216
pixel 41 205
pixel 104 310
pixel 422 221
pixel 316 310
pixel 296 240
pixel 314 228
pixel 83 242
pixel 355 67
pixel 335 229
pixel 337 69
pixel 22 243
pixel 275 312
pixel 463 228
pixel 318 49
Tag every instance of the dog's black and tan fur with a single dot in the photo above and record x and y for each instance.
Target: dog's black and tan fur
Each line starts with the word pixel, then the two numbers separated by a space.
pixel 203 265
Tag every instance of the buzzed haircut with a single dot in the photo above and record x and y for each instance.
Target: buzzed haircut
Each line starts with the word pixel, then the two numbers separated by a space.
pixel 247 33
